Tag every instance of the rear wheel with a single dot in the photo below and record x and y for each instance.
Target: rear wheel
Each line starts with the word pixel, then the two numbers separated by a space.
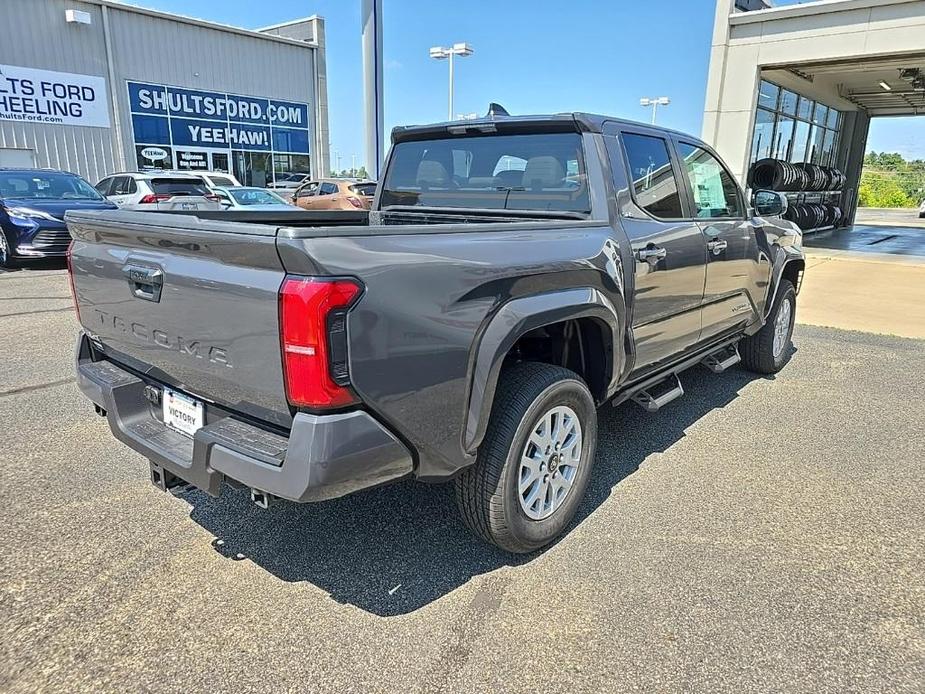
pixel 768 350
pixel 535 461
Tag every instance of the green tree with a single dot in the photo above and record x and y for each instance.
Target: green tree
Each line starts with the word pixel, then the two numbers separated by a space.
pixel 888 180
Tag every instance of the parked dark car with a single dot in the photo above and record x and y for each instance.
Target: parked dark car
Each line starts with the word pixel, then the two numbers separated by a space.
pixel 32 207
pixel 514 274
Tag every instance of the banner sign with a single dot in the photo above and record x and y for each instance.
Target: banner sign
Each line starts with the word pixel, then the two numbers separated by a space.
pixel 163 115
pixel 29 95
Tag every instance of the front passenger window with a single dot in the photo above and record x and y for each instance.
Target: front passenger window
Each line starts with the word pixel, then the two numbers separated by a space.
pixel 120 186
pixel 716 194
pixel 655 187
pixel 103 186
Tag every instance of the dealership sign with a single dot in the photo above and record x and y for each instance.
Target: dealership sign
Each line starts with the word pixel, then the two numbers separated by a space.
pixel 178 117
pixel 28 95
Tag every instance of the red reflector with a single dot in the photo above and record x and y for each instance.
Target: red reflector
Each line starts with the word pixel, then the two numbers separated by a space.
pixel 356 202
pixel 304 306
pixel 70 278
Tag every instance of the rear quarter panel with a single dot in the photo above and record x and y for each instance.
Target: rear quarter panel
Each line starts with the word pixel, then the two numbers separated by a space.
pixel 428 297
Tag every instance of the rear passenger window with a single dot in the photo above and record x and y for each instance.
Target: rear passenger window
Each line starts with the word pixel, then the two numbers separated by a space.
pixel 716 194
pixel 655 187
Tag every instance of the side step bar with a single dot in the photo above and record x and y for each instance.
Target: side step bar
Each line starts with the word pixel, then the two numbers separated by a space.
pixel 656 396
pixel 719 361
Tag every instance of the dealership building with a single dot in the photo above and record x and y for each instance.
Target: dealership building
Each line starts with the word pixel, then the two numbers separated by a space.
pixel 95 86
pixel 802 83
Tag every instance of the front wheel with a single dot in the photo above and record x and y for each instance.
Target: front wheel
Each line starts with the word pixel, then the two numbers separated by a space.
pixel 534 463
pixel 6 254
pixel 768 350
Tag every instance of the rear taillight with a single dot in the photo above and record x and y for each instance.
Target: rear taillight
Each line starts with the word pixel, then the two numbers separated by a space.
pixel 312 315
pixel 213 198
pixel 356 202
pixel 152 198
pixel 70 278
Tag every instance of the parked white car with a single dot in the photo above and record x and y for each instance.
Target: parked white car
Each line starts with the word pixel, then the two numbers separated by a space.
pixel 213 179
pixel 289 181
pixel 158 191
pixel 252 199
pixel 922 210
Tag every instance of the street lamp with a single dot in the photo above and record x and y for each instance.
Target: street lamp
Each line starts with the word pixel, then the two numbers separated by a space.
pixel 439 53
pixel 654 103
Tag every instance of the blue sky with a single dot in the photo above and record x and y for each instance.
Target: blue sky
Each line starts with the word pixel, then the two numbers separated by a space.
pixel 532 56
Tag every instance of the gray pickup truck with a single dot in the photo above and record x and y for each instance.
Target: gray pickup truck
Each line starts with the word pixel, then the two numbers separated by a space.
pixel 514 274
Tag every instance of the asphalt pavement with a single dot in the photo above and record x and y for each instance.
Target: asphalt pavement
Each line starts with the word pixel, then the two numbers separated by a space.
pixel 757 535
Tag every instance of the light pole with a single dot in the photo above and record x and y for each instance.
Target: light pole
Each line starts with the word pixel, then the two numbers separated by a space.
pixel 463 50
pixel 654 103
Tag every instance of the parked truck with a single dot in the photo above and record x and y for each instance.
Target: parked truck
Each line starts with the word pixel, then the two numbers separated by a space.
pixel 514 275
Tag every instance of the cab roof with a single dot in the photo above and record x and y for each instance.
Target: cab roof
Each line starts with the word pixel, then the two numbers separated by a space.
pixel 558 122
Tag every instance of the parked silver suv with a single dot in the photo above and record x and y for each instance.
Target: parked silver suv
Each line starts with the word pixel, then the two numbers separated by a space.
pixel 158 191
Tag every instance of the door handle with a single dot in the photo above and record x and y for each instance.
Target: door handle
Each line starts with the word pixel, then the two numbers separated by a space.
pixel 717 246
pixel 651 254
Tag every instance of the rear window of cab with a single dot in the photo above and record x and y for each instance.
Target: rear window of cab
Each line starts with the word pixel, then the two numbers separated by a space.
pixel 543 171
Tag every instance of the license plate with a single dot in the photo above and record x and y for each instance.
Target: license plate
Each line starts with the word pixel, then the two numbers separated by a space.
pixel 187 205
pixel 182 413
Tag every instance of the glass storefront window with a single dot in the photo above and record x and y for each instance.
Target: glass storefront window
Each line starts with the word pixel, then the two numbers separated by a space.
pixel 793 127
pixel 782 138
pixel 220 162
pixel 788 102
pixel 820 114
pixel 828 148
pixel 764 134
pixel 291 163
pixel 153 157
pixel 767 95
pixel 815 144
pixel 251 168
pixel 800 140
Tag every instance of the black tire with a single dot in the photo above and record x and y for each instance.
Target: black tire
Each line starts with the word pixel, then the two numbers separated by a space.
pixel 6 253
pixel 758 350
pixel 487 493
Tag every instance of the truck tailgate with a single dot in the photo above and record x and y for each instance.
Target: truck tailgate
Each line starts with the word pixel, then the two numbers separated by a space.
pixel 191 303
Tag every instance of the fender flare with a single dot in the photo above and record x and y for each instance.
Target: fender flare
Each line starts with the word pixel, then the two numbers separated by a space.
pixel 516 318
pixel 788 260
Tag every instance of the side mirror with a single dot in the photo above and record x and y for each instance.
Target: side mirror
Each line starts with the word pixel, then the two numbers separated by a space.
pixel 769 203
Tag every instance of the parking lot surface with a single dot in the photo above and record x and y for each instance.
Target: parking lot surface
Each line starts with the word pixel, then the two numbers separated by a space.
pixel 759 534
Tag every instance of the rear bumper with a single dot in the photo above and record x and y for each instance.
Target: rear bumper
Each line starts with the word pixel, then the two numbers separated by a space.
pixel 324 456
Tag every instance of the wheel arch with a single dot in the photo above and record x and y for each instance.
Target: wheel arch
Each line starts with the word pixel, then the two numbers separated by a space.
pixel 791 269
pixel 581 316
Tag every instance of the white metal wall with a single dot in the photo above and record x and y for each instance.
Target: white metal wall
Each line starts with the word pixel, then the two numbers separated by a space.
pixel 145 47
pixel 35 35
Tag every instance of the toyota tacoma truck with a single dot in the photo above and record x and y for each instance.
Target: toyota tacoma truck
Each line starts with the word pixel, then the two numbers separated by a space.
pixel 513 275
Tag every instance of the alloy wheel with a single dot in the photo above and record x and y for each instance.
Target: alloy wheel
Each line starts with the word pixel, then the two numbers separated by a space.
pixel 549 462
pixel 782 327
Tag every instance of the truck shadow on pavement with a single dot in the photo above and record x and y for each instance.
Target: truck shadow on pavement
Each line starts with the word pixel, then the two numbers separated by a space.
pixel 395 549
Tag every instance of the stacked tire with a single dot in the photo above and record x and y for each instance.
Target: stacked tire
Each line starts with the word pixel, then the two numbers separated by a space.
pixel 814 215
pixel 782 176
pixel 803 177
